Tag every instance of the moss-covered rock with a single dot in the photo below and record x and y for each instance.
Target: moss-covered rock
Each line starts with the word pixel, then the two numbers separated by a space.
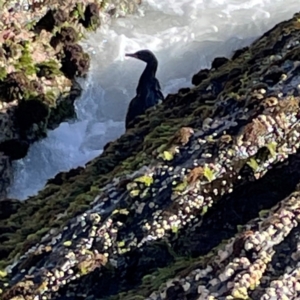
pixel 48 69
pixel 74 61
pixel 39 60
pixel 204 204
pixel 14 86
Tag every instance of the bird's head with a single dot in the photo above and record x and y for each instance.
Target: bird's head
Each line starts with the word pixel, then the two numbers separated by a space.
pixel 144 55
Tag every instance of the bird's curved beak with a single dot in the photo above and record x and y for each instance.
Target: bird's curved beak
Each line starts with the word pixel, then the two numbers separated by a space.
pixel 131 55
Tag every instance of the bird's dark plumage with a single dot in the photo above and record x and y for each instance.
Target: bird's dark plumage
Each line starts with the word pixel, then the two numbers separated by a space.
pixel 148 91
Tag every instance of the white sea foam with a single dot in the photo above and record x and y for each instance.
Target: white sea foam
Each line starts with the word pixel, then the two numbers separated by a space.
pixel 184 34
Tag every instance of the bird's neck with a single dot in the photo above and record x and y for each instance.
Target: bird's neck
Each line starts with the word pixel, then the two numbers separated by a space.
pixel 149 71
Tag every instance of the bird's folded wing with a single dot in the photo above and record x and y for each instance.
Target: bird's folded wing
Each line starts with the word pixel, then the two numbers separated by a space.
pixel 158 90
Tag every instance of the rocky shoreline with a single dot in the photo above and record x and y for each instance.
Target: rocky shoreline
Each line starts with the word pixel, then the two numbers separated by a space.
pixel 40 59
pixel 199 201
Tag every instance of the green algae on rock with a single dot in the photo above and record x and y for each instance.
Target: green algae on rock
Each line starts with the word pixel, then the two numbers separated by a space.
pixel 193 223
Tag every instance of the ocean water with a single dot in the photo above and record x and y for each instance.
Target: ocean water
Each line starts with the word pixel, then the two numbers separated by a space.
pixel 185 35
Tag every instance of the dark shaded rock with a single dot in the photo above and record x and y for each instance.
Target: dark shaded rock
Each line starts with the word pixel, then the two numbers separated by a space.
pixel 294 54
pixel 175 292
pixel 259 55
pixel 200 76
pixel 5 250
pixel 6 175
pixel 74 62
pixel 254 67
pixel 7 208
pixel 91 16
pixel 234 73
pixel 14 148
pixel 29 112
pixel 273 75
pixel 61 177
pixel 217 84
pixel 218 62
pixel 67 35
pixel 184 91
pixel 47 22
pixel 239 52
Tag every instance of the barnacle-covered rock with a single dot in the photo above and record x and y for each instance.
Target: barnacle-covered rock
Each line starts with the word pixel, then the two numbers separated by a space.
pixel 202 205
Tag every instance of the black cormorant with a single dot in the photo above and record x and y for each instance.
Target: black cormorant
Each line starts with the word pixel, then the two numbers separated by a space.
pixel 148 91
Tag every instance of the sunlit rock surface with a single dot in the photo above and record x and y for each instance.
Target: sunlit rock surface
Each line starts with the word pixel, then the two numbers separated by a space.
pixel 198 201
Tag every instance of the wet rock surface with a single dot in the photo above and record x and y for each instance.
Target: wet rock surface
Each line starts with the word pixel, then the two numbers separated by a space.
pixel 40 59
pixel 200 200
